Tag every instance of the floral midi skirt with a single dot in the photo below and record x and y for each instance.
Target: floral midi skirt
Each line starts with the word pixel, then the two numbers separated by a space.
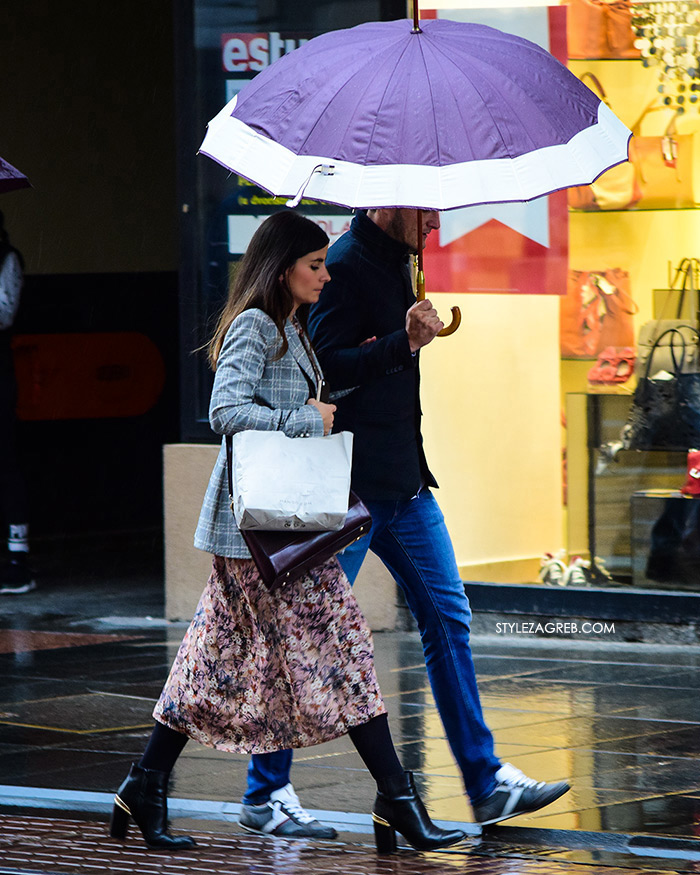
pixel 260 671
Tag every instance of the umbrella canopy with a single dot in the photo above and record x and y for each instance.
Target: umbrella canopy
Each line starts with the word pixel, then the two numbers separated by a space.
pixel 11 178
pixel 386 115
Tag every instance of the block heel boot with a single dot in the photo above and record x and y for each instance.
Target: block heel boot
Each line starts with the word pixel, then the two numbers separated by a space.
pixel 144 796
pixel 399 808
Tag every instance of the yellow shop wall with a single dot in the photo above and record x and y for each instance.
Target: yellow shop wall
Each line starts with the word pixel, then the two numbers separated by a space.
pixel 491 405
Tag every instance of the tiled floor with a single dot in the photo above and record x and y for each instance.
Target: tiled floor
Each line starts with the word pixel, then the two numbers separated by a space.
pixel 622 721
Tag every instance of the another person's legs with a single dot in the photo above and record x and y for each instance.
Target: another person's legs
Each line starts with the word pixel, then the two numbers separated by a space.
pixel 267 772
pixel 411 539
pixel 413 542
pixel 270 805
pixel 398 807
pixel 15 574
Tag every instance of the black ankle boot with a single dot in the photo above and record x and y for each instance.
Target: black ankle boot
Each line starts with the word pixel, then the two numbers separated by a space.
pixel 144 796
pixel 399 807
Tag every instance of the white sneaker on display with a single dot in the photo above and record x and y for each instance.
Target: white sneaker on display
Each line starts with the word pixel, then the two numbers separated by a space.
pixel 553 568
pixel 578 573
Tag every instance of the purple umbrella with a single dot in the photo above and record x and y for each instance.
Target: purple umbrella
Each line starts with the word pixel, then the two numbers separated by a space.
pixel 437 115
pixel 11 178
pixel 443 115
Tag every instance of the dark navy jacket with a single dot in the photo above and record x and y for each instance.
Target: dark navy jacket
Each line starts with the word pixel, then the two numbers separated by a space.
pixel 369 293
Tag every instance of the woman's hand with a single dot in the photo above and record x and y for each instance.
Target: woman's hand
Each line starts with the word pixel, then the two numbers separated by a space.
pixel 326 411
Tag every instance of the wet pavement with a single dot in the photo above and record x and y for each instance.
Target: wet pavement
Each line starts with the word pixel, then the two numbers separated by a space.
pixel 81 667
pixel 59 846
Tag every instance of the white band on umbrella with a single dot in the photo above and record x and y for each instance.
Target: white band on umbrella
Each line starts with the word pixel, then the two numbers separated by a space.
pixel 275 168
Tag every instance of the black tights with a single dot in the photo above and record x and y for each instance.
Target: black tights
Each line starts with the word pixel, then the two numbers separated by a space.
pixel 372 741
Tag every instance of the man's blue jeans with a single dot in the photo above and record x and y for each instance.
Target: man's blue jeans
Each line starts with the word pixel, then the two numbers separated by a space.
pixel 411 539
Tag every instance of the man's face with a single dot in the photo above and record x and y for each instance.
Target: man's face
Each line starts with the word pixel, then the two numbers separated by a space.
pixel 402 225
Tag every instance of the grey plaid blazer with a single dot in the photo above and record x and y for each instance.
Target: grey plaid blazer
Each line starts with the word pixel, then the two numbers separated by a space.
pixel 251 391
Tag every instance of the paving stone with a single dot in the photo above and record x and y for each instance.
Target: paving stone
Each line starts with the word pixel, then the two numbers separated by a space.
pixel 55 846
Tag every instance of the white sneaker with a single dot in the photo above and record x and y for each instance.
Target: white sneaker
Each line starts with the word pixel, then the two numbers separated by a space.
pixel 578 573
pixel 283 816
pixel 553 568
pixel 515 794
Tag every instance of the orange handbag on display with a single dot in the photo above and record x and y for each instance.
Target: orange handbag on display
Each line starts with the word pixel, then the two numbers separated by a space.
pixel 596 313
pixel 600 29
pixel 665 166
pixel 617 188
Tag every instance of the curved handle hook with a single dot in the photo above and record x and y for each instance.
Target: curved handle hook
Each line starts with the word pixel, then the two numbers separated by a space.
pixel 456 313
pixel 454 324
pixel 420 276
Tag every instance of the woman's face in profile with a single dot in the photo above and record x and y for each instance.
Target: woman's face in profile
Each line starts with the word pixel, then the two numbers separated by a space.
pixel 307 277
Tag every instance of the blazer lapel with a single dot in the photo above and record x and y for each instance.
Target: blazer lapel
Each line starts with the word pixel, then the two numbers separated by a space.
pixel 296 347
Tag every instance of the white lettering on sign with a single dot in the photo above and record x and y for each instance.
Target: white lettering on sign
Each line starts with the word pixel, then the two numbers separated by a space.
pixel 241 228
pixel 252 52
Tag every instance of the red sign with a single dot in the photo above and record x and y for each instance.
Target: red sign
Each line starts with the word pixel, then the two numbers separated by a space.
pixel 252 52
pixel 515 248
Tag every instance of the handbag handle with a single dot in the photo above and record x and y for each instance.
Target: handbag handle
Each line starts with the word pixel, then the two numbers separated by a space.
pixel 320 390
pixel 229 467
pixel 654 107
pixel 627 304
pixel 689 285
pixel 689 270
pixel 676 367
pixel 595 81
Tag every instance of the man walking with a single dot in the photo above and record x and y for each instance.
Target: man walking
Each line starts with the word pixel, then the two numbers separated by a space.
pixel 367 330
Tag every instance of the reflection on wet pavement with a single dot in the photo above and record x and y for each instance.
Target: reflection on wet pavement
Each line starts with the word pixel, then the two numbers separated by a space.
pixel 621 721
pixel 74 847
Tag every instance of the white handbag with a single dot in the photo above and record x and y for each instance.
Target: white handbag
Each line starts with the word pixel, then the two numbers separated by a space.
pixel 282 483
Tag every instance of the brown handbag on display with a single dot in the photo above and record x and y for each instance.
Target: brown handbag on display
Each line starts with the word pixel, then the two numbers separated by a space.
pixel 600 29
pixel 282 557
pixel 596 313
pixel 617 188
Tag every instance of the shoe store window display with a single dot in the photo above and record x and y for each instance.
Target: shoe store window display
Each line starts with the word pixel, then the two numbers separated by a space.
pixel 259 670
pixel 16 576
pixel 368 330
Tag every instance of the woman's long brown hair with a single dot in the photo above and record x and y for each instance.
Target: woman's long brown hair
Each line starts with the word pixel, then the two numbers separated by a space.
pixel 259 281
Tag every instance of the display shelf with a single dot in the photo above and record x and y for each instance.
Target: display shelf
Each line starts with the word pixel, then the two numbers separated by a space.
pixel 631 210
pixel 600 514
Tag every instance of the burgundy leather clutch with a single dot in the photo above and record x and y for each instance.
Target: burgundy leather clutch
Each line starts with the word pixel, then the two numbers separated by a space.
pixel 283 557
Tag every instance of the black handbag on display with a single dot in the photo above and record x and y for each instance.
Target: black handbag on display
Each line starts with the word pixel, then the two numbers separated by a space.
pixel 282 557
pixel 665 411
pixel 684 293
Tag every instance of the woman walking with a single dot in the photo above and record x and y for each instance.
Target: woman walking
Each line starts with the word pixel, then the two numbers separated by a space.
pixel 262 671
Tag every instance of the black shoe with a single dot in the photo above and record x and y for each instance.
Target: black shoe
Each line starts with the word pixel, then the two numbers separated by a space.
pixel 16 578
pixel 398 807
pixel 144 796
pixel 516 794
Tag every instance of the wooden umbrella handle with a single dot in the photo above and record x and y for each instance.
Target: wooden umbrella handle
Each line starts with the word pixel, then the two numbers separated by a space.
pixel 420 283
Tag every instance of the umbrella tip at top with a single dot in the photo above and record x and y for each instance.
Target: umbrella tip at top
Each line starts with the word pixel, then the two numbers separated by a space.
pixel 416 18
